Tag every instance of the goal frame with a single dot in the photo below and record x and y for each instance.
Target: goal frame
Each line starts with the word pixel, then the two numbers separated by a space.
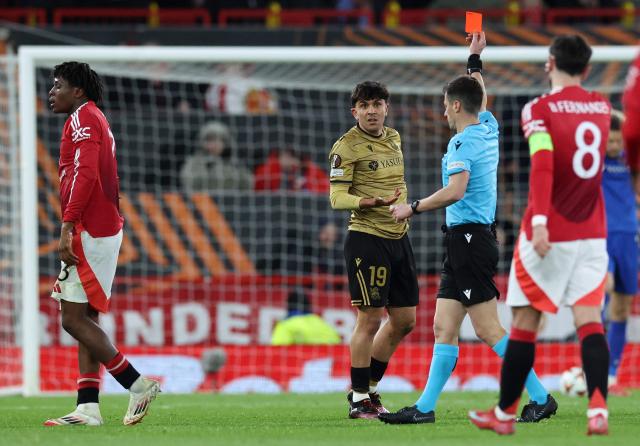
pixel 29 57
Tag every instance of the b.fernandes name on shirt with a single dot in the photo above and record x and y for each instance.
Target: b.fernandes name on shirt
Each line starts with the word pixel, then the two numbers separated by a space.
pixel 578 107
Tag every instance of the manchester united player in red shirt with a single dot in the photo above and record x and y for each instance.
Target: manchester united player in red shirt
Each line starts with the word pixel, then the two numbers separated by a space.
pixel 89 243
pixel 560 256
pixel 631 127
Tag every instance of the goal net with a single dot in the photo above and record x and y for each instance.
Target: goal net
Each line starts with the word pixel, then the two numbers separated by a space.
pixel 223 165
pixel 10 290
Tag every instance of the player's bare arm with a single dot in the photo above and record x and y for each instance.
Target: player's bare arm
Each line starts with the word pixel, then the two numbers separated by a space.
pixel 65 249
pixel 453 192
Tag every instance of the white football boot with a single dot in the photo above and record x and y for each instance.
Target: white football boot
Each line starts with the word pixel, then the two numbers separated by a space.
pixel 85 414
pixel 139 401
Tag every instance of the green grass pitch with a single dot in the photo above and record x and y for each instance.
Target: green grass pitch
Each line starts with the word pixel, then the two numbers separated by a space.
pixel 264 420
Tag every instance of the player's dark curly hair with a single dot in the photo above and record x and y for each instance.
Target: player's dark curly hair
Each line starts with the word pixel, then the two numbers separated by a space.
pixel 572 54
pixel 80 75
pixel 467 90
pixel 368 90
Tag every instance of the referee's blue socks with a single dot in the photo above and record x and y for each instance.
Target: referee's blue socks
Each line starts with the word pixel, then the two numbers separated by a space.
pixel 534 387
pixel 443 362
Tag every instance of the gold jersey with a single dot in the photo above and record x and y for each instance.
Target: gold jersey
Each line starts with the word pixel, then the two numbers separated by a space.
pixel 371 167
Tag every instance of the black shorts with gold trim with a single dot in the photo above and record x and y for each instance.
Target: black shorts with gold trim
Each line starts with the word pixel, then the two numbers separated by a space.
pixel 381 271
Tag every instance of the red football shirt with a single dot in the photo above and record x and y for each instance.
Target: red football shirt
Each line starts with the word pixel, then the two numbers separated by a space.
pixel 88 171
pixel 578 122
pixel 631 127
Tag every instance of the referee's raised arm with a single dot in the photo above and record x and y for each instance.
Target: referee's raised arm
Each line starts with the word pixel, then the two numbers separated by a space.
pixel 474 64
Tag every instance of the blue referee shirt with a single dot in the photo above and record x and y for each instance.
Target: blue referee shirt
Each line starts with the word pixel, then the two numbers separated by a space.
pixel 619 199
pixel 475 150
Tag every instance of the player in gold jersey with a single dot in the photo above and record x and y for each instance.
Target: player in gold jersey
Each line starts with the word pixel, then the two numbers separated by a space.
pixel 367 176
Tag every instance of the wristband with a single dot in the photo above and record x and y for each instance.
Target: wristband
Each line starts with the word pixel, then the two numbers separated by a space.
pixel 414 207
pixel 474 64
pixel 539 219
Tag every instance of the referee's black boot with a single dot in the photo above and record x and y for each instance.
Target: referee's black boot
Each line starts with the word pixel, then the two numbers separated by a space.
pixel 408 415
pixel 534 412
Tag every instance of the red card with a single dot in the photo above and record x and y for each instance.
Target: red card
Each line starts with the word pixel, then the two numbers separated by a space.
pixel 473 23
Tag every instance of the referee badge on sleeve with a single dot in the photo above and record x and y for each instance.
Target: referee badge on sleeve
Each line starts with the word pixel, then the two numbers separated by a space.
pixel 455 165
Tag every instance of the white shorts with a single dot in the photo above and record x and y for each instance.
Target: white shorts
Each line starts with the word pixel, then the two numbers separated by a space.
pixel 572 273
pixel 90 280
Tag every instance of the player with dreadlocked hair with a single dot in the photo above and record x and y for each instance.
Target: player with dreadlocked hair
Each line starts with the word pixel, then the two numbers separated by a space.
pixel 81 75
pixel 90 240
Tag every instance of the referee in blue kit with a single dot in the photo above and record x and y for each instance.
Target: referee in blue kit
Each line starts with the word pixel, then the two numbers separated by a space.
pixel 469 193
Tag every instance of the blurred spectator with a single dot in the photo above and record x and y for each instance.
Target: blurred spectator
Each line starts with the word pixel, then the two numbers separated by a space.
pixel 301 245
pixel 356 5
pixel 571 3
pixel 284 169
pixel 211 168
pixel 234 92
pixel 316 253
pixel 327 254
pixel 301 326
pixel 159 168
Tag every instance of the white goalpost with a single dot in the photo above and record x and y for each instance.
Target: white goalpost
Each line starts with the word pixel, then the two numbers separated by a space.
pixel 226 257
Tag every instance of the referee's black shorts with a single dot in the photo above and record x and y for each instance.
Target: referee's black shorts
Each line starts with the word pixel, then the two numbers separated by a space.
pixel 381 271
pixel 470 264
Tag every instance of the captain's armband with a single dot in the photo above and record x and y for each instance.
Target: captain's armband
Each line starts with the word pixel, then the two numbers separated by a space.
pixel 540 141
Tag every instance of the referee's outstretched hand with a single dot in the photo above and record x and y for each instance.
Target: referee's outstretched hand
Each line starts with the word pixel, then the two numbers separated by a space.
pixel 401 212
pixel 477 42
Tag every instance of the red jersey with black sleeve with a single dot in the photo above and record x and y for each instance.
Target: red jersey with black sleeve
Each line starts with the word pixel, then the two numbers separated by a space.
pixel 88 171
pixel 631 126
pixel 567 131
